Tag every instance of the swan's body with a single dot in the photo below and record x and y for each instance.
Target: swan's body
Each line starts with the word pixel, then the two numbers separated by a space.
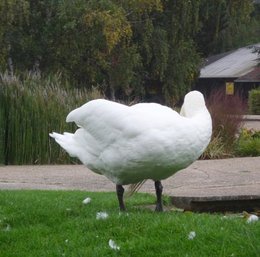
pixel 144 141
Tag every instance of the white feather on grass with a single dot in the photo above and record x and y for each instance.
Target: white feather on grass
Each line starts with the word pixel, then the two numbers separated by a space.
pixel 252 218
pixel 113 245
pixel 192 235
pixel 101 216
pixel 7 228
pixel 86 200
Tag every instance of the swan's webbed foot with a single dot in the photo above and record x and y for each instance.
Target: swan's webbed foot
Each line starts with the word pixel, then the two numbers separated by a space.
pixel 120 195
pixel 158 189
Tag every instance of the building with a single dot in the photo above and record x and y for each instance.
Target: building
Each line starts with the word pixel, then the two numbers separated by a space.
pixel 234 72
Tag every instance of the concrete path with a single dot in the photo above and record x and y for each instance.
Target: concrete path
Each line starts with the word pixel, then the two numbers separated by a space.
pixel 210 177
pixel 251 122
pixel 204 181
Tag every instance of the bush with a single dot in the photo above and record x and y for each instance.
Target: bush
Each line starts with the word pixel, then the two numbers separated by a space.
pixel 226 113
pixel 248 143
pixel 30 108
pixel 254 101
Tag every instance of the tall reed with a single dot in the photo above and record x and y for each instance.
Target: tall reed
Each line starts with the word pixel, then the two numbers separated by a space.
pixel 30 108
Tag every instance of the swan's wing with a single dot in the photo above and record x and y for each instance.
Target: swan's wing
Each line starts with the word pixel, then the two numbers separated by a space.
pixel 102 119
pixel 106 121
pixel 109 130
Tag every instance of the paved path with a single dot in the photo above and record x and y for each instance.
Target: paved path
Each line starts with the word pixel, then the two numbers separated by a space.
pixel 252 122
pixel 203 178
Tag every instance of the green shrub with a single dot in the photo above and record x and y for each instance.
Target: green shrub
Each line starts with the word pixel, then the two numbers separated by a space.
pixel 254 101
pixel 30 108
pixel 248 143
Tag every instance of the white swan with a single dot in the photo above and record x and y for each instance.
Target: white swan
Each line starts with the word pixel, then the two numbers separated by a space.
pixel 144 141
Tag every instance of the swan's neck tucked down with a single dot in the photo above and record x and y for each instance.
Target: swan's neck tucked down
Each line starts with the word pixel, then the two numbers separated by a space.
pixel 193 104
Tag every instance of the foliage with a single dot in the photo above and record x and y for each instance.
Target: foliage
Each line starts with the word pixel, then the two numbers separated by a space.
pixel 226 113
pixel 13 17
pixel 45 223
pixel 127 48
pixel 254 101
pixel 32 107
pixel 114 24
pixel 227 25
pixel 215 149
pixel 248 143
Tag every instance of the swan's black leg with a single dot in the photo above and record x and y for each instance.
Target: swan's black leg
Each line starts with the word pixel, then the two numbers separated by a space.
pixel 158 189
pixel 120 195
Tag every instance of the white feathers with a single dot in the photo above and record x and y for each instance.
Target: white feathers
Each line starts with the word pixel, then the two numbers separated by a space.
pixel 192 235
pixel 113 245
pixel 7 228
pixel 86 200
pixel 144 141
pixel 252 218
pixel 193 104
pixel 101 215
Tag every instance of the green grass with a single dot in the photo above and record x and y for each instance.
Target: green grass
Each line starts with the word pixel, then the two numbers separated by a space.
pixel 49 223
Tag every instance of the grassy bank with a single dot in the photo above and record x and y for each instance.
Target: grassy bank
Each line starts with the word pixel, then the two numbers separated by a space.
pixel 44 223
pixel 30 107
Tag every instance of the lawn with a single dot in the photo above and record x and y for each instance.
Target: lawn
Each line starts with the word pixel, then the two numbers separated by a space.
pixel 57 223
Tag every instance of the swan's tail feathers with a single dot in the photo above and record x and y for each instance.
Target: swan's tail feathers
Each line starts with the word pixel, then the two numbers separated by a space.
pixel 66 142
pixel 133 188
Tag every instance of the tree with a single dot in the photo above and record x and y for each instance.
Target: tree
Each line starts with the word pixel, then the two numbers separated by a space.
pixel 13 15
pixel 222 25
pixel 111 44
pixel 135 49
pixel 181 18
